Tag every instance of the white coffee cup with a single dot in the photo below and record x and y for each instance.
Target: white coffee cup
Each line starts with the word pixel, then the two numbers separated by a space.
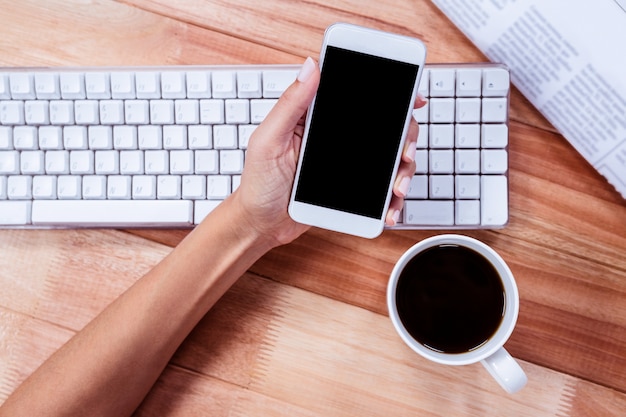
pixel 491 353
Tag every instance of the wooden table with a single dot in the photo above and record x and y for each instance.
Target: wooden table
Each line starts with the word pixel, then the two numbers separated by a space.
pixel 305 331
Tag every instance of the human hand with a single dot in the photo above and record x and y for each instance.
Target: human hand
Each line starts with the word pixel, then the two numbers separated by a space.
pixel 406 170
pixel 272 158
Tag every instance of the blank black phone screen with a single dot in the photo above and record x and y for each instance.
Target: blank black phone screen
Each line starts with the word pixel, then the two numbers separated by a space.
pixel 355 132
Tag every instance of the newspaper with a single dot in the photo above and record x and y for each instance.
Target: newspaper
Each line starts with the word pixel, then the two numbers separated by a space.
pixel 568 57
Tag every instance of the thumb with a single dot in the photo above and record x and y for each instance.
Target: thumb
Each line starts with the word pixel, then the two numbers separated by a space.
pixel 295 100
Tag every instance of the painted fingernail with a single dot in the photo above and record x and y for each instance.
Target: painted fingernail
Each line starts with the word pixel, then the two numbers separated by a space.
pixel 395 216
pixel 307 69
pixel 403 187
pixel 411 151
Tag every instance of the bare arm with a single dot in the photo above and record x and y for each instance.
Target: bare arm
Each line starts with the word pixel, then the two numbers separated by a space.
pixel 109 366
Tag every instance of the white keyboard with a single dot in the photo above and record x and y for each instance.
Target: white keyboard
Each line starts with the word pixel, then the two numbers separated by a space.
pixel 163 146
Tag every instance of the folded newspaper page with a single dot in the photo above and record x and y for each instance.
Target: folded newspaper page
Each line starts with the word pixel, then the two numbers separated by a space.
pixel 568 57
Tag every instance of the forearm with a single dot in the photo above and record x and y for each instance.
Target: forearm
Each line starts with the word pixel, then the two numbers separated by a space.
pixel 109 366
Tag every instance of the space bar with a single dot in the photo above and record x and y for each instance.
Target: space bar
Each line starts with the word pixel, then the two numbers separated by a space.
pixel 112 213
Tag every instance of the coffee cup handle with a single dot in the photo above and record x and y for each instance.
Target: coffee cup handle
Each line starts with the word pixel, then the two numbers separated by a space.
pixel 504 369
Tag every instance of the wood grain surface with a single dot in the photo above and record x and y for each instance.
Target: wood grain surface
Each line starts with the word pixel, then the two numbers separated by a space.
pixel 305 331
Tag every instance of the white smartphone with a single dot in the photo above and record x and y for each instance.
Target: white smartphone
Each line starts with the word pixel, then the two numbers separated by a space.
pixel 355 129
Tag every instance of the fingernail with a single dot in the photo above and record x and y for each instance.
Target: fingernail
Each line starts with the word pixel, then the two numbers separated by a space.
pixel 395 216
pixel 403 188
pixel 421 99
pixel 410 153
pixel 307 69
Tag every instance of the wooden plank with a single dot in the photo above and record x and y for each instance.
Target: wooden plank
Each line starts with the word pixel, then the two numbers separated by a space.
pixel 62 33
pixel 271 347
pixel 80 270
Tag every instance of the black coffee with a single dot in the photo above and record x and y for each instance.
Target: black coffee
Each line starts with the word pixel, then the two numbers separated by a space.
pixel 450 299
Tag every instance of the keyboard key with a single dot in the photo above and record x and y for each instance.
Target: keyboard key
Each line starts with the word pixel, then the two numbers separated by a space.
pixel 119 187
pixel 441 136
pixel 467 161
pixel 22 86
pixel 187 112
pixel 441 110
pixel 200 137
pixel 32 162
pixel 218 187
pixel 231 162
pixel 6 138
pixel 15 213
pixel 44 187
pixel 162 112
pixel 181 162
pixel 25 137
pixel 94 187
pixel 72 85
pixel 468 82
pixel 12 112
pixel 112 112
pixel 467 186
pixel 112 213
pixel 169 187
pixel 275 82
pixel 494 161
pixel 9 162
pixel 418 189
pixel 442 187
pixel 223 84
pixel 107 162
pixel 173 84
pixel 46 86
pixel 61 112
pixel 57 162
pixel 19 187
pixel 494 110
pixel 467 136
pixel 131 162
pixel 495 136
pixel 429 212
pixel 441 161
pixel 137 112
pixel 496 82
pixel 97 85
pixel 75 137
pixel 194 187
pixel 259 109
pixel 144 187
pixel 174 137
pixel 468 110
pixel 442 82
pixel 494 200
pixel 467 212
pixel 148 84
pixel 198 84
pixel 36 112
pixel 5 91
pixel 249 84
pixel 122 85
pixel 237 112
pixel 86 112
pixel 69 187
pixel 157 162
pixel 211 111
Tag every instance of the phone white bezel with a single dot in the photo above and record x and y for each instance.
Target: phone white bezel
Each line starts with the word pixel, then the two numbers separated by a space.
pixel 377 43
